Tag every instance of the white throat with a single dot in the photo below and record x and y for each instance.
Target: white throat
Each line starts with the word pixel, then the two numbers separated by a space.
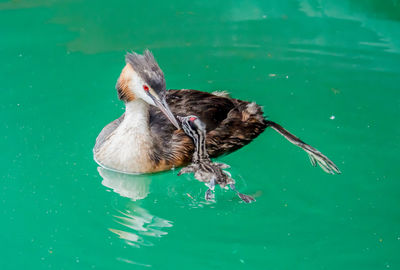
pixel 137 111
pixel 128 146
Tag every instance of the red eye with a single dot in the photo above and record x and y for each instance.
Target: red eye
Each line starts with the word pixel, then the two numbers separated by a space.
pixel 192 118
pixel 146 88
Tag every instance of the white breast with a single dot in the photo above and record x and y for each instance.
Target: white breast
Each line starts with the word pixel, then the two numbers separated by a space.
pixel 127 147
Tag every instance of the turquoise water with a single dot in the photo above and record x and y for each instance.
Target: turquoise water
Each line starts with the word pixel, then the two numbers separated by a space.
pixel 327 71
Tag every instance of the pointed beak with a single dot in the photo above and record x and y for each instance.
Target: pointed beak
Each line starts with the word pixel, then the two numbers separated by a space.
pixel 163 106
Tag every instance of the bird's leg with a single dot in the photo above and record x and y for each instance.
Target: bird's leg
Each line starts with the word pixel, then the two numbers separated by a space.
pixel 210 191
pixel 222 165
pixel 187 169
pixel 244 197
pixel 316 157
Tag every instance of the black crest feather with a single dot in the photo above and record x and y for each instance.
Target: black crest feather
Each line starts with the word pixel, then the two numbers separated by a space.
pixel 147 68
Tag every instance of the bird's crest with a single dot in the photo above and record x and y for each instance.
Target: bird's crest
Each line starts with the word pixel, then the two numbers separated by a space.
pixel 147 68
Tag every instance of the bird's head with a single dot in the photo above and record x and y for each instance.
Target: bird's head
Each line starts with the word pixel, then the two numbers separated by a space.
pixel 143 79
pixel 193 126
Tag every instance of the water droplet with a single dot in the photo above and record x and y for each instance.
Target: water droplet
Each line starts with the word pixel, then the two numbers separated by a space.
pixel 332 117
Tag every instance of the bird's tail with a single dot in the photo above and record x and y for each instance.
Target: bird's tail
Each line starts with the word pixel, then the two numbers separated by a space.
pixel 316 157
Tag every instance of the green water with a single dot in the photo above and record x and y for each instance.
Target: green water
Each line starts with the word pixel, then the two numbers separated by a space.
pixel 329 71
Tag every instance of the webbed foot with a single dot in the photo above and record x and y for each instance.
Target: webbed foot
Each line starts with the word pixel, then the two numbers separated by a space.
pixel 246 198
pixel 209 195
pixel 325 163
pixel 210 191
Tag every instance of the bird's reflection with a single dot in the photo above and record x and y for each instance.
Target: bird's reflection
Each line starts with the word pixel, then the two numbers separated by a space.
pixel 135 187
pixel 139 226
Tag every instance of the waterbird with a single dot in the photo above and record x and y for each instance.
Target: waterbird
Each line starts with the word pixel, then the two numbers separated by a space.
pixel 147 138
pixel 202 167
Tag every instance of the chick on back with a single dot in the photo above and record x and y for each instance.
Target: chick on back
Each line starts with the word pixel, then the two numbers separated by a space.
pixel 203 168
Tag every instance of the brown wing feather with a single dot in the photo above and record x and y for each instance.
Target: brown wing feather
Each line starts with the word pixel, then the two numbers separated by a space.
pixel 231 124
pixel 211 109
pixel 242 125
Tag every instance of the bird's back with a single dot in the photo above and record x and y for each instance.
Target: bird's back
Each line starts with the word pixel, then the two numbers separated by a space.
pixel 231 124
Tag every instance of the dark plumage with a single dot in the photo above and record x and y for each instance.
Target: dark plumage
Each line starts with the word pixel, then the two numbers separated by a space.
pixel 230 124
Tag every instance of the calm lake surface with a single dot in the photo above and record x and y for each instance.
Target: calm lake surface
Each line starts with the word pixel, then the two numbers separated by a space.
pixel 328 71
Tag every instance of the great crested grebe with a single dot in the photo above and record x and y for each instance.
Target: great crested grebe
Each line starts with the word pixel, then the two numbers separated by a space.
pixel 203 168
pixel 147 138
